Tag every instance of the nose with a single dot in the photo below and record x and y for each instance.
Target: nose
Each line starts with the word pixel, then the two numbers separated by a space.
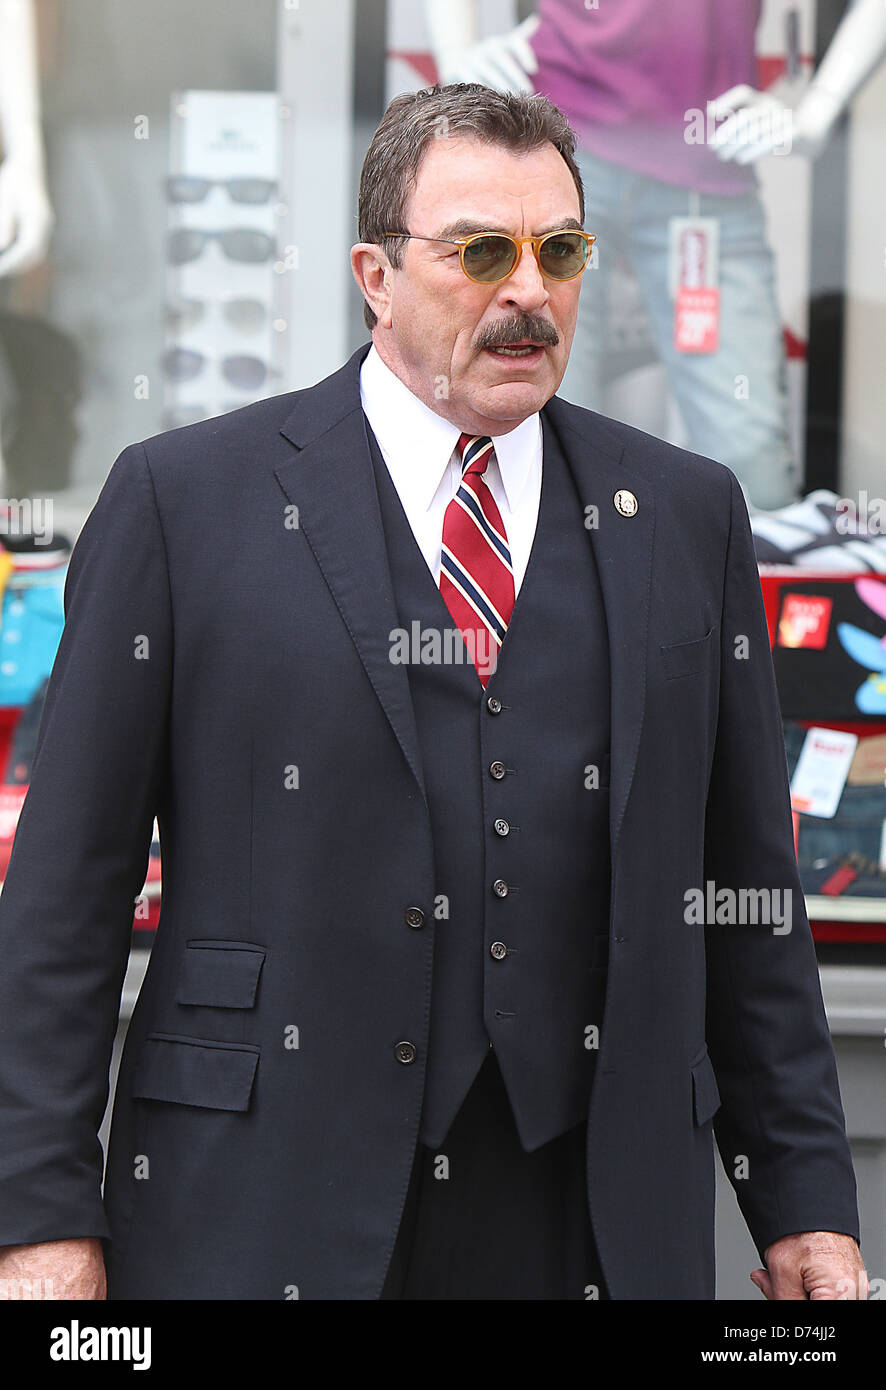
pixel 526 286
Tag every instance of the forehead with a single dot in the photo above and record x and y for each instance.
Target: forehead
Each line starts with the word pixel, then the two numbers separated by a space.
pixel 493 185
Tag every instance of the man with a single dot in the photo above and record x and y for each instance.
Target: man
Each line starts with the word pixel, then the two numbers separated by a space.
pixel 401 875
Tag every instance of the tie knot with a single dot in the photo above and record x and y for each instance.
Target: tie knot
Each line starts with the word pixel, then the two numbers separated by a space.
pixel 475 451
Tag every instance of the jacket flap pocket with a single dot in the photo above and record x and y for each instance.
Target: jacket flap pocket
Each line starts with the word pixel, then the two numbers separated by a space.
pixel 195 1071
pixel 221 974
pixel 682 658
pixel 705 1094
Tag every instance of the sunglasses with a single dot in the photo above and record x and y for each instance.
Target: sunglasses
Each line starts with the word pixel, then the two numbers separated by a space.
pixel 241 370
pixel 490 257
pixel 185 188
pixel 244 314
pixel 238 244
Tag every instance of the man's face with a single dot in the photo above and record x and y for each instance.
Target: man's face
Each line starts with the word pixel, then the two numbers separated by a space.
pixel 440 328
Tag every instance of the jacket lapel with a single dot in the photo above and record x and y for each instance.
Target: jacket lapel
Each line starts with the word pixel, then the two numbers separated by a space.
pixel 622 546
pixel 331 482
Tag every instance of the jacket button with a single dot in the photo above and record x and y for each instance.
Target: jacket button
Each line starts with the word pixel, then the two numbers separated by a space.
pixel 415 918
pixel 502 827
pixel 497 770
pixel 498 950
pixel 500 888
pixel 493 704
pixel 405 1052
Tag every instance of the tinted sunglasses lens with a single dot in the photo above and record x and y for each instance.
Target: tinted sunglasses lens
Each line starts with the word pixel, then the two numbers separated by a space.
pixel 246 373
pixel 247 315
pixel 250 190
pixel 181 188
pixel 185 244
pixel 182 364
pixel 563 255
pixel 489 258
pixel 247 244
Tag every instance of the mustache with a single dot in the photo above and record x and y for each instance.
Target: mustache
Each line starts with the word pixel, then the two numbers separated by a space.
pixel 527 326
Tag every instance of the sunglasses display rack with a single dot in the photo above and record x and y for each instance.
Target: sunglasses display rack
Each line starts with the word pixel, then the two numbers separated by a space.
pixel 222 254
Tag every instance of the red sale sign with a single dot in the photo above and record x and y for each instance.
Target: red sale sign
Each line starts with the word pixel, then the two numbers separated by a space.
pixel 804 621
pixel 697 319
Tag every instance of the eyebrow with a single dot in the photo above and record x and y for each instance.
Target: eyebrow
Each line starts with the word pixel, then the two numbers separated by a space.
pixel 466 226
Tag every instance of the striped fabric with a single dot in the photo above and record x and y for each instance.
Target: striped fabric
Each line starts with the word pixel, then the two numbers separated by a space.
pixel 476 575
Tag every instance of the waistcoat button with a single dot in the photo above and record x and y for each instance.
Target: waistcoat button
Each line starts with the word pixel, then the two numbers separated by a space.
pixel 405 1052
pixel 493 704
pixel 500 888
pixel 414 917
pixel 498 950
pixel 502 827
pixel 497 769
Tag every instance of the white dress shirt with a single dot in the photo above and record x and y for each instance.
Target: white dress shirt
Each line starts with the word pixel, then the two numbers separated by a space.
pixel 419 449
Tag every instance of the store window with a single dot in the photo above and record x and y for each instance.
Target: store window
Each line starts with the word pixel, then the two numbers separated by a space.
pixel 178 194
pixel 181 180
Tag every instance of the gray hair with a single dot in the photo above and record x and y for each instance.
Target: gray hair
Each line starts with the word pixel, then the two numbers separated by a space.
pixel 514 120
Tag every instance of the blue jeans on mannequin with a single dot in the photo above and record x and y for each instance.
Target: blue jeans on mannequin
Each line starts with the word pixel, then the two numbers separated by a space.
pixel 742 425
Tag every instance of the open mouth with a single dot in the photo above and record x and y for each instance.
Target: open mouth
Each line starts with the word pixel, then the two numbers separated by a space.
pixel 517 350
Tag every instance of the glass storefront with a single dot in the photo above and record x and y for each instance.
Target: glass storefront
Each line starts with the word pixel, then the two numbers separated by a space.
pixel 178 197
pixel 202 164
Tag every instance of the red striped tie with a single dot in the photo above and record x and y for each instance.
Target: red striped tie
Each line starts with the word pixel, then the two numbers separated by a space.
pixel 476 576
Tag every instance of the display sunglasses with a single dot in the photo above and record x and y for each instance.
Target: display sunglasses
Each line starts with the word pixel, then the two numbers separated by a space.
pixel 245 314
pixel 238 244
pixel 241 370
pixel 490 257
pixel 186 188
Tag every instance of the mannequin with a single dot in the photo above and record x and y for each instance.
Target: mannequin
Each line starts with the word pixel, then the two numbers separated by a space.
pixel 632 153
pixel 856 50
pixel 506 61
pixel 26 216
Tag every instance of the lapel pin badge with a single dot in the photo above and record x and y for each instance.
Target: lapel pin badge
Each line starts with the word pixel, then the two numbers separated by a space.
pixel 625 502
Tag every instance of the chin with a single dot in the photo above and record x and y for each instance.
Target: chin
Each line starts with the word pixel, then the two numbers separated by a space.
pixel 511 397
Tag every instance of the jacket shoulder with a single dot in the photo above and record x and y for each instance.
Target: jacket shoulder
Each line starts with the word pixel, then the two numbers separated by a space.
pixel 255 422
pixel 674 469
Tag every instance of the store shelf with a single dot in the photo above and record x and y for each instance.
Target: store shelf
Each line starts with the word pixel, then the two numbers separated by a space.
pixel 821 908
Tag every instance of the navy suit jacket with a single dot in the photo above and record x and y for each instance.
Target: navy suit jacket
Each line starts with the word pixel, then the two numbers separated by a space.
pixel 225 667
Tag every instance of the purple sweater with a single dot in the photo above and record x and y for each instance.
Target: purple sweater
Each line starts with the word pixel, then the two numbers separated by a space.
pixel 626 73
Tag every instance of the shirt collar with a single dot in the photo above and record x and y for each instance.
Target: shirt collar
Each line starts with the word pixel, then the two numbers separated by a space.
pixel 417 443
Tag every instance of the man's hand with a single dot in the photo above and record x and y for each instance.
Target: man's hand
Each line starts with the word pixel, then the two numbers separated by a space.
pixel 813 1264
pixel 53 1269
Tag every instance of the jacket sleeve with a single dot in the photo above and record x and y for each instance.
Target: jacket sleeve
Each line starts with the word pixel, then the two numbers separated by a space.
pixel 79 861
pixel 780 1128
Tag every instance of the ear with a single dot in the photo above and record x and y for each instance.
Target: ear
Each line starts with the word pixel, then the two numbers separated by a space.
pixel 373 271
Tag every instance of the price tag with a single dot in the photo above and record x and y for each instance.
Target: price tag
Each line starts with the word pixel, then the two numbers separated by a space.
pixel 693 282
pixel 697 321
pixel 821 771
